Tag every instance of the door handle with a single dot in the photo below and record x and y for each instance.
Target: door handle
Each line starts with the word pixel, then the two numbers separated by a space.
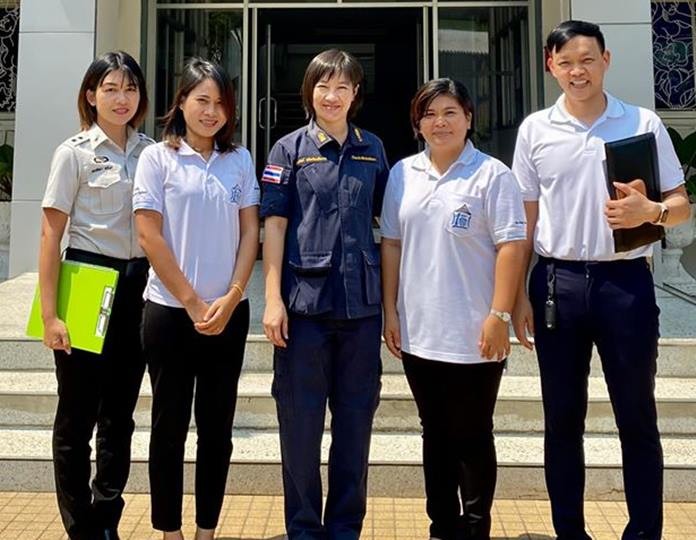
pixel 261 109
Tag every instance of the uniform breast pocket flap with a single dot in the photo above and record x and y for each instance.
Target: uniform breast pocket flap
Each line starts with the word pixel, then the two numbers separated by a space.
pixel 321 186
pixel 463 215
pixel 311 264
pixel 108 191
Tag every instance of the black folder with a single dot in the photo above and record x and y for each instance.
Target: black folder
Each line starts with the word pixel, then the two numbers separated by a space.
pixel 627 160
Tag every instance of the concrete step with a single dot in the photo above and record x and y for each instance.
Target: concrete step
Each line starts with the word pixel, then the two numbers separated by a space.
pixel 25 465
pixel 676 357
pixel 28 399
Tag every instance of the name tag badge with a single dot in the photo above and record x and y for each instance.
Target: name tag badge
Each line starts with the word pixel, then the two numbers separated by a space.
pixel 461 218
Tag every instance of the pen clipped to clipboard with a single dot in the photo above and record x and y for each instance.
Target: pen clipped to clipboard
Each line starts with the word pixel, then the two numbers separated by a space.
pixel 85 298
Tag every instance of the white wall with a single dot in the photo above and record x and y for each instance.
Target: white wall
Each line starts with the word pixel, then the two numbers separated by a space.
pixel 56 44
pixel 627 28
pixel 118 26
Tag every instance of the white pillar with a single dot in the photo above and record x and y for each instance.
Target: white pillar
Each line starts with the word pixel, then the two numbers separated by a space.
pixel 56 44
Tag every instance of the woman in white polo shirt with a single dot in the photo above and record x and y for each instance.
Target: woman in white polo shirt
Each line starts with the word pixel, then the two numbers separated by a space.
pixel 452 230
pixel 195 201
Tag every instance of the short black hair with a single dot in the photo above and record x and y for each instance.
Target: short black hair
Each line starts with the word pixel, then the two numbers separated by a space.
pixel 436 88
pixel 94 77
pixel 324 66
pixel 567 30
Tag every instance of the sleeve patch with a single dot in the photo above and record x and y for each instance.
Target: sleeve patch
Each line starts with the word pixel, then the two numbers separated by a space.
pixel 272 174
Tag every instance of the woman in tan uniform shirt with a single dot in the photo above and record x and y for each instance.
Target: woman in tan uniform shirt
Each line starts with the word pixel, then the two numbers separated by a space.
pixel 90 182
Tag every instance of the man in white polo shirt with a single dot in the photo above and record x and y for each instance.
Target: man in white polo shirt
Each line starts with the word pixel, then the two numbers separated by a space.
pixel 582 292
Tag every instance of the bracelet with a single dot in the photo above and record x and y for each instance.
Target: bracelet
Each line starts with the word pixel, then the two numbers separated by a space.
pixel 236 285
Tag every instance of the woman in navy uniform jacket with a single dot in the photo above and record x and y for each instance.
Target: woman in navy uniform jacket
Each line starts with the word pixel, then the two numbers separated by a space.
pixel 322 186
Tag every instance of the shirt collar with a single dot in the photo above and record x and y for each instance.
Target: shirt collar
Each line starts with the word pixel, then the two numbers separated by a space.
pixel 97 137
pixel 321 138
pixel 133 140
pixel 466 157
pixel 560 115
pixel 185 149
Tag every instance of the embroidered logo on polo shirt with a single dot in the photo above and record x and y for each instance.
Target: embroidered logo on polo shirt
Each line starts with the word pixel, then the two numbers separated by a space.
pixel 461 218
pixel 236 194
pixel 100 159
pixel 272 174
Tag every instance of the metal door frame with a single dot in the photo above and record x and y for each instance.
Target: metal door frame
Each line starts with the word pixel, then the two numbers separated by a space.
pixel 424 47
pixel 249 99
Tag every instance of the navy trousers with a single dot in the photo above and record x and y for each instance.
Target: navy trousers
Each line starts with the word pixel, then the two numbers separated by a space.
pixel 611 305
pixel 336 361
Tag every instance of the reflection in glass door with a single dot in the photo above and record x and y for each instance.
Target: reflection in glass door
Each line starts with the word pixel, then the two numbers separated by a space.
pixel 488 50
pixel 215 35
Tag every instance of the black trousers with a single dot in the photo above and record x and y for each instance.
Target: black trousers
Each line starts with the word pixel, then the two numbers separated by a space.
pixel 99 390
pixel 455 404
pixel 611 305
pixel 180 359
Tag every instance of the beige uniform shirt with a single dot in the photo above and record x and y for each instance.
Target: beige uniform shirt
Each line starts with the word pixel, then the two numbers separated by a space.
pixel 91 180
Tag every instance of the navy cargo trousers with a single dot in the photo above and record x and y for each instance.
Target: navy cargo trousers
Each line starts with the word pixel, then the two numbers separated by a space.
pixel 334 361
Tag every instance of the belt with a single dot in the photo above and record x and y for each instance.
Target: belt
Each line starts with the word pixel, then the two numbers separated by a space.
pixel 588 265
pixel 126 267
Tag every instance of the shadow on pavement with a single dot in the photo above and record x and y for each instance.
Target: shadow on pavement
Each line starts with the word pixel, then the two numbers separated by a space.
pixel 525 536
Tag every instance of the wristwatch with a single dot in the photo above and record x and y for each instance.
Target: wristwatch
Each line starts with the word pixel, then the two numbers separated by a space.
pixel 664 213
pixel 502 315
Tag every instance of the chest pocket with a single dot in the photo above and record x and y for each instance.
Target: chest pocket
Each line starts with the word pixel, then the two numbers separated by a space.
pixel 464 215
pixel 361 185
pixel 317 185
pixel 108 193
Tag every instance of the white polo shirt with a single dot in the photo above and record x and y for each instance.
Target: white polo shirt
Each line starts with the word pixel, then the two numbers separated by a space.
pixel 200 203
pixel 560 162
pixel 449 226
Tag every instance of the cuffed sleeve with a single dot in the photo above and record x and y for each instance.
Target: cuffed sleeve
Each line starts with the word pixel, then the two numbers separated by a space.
pixel 505 210
pixel 148 185
pixel 394 192
pixel 63 180
pixel 523 168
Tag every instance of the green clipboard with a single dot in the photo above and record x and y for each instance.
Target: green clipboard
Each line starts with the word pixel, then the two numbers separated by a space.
pixel 85 296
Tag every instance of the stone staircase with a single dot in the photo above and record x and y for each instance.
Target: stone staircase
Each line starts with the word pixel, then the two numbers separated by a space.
pixel 27 404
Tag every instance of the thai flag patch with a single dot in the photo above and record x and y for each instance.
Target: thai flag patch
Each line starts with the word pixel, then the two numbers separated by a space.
pixel 272 174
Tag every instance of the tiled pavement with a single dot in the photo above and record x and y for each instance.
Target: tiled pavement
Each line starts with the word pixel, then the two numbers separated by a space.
pixel 33 516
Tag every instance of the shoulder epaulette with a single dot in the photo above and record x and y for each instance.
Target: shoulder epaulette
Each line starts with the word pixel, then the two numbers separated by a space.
pixel 77 140
pixel 145 139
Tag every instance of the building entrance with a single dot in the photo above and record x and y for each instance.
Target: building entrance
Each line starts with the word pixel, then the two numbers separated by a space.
pixel 388 43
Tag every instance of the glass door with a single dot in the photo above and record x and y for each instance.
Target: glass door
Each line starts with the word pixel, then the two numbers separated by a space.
pixel 488 49
pixel 389 44
pixel 214 34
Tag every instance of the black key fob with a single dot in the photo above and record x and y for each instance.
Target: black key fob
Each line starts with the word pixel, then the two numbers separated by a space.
pixel 550 314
